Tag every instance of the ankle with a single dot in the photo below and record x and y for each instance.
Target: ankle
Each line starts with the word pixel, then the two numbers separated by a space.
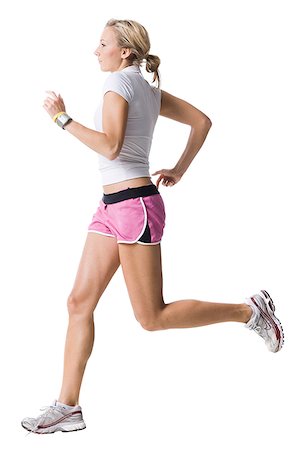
pixel 246 312
pixel 67 401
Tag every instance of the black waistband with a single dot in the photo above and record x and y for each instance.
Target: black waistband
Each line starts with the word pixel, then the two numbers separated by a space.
pixel 140 191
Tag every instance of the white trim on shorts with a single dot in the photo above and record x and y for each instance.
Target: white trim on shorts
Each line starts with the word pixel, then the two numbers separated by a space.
pixel 143 229
pixel 100 232
pixel 149 243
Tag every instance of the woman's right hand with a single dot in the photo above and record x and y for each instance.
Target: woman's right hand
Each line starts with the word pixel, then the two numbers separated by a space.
pixel 169 177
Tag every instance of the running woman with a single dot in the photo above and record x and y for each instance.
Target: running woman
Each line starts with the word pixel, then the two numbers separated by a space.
pixel 127 226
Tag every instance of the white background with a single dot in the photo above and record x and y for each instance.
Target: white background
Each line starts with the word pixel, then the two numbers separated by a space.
pixel 232 226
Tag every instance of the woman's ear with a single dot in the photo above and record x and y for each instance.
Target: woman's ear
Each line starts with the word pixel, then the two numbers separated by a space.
pixel 125 52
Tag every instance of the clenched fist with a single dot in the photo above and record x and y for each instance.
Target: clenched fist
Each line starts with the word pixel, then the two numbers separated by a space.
pixel 54 104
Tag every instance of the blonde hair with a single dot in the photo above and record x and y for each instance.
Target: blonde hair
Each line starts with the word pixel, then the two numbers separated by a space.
pixel 131 34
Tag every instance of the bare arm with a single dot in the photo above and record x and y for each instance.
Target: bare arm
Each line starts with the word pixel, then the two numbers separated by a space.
pixel 97 141
pixel 182 111
pixel 114 117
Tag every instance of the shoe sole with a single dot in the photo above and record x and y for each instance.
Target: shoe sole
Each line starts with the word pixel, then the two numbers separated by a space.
pixel 63 428
pixel 270 316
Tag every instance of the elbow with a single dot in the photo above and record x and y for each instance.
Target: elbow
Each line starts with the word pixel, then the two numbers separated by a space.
pixel 114 152
pixel 204 123
pixel 110 147
pixel 207 123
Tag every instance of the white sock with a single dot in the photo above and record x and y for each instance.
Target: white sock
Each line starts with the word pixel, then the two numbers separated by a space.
pixel 64 405
pixel 253 318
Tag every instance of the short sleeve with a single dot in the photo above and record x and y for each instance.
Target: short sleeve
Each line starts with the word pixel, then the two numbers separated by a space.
pixel 157 93
pixel 118 82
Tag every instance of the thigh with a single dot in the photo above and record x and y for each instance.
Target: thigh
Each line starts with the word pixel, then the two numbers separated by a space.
pixel 98 263
pixel 142 270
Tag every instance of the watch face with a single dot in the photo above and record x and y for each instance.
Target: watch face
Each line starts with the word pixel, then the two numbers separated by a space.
pixel 63 119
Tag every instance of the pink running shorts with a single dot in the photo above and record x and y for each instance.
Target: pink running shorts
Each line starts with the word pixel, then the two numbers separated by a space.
pixel 134 215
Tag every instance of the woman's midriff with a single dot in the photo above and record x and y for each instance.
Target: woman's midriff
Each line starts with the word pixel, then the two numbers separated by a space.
pixel 134 182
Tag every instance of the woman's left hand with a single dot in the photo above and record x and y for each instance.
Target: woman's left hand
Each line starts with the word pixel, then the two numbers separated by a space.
pixel 54 104
pixel 169 177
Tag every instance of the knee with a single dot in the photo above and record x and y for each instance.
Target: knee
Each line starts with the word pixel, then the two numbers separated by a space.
pixel 73 304
pixel 151 324
pixel 77 305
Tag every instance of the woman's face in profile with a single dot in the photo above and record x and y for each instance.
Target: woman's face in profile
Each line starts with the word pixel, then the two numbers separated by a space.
pixel 110 56
pixel 108 52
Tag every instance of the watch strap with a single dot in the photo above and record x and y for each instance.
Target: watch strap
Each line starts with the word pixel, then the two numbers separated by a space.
pixel 63 120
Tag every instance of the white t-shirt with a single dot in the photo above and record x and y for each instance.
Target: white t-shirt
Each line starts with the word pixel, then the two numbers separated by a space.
pixel 144 107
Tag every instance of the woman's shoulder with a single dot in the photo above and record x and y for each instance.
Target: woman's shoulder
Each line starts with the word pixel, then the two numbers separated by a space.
pixel 117 77
pixel 120 83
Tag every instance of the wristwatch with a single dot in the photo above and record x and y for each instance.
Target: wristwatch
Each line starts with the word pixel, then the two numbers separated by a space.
pixel 63 120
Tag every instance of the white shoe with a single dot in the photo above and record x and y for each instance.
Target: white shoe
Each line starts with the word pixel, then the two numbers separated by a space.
pixel 55 418
pixel 264 322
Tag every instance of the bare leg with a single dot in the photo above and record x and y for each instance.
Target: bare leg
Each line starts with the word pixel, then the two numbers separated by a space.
pixel 142 269
pixel 78 347
pixel 178 314
pixel 99 262
pixel 195 313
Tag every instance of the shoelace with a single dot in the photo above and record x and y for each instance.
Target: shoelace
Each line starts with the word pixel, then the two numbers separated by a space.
pixel 258 328
pixel 47 409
